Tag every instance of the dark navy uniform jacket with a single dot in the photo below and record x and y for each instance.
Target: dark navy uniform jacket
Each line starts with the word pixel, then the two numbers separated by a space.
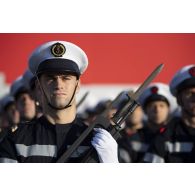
pixel 175 144
pixel 42 142
pixel 133 148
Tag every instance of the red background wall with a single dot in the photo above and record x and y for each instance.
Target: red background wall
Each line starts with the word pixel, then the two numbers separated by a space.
pixel 113 58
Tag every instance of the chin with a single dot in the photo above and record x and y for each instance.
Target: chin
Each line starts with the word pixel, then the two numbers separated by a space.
pixel 60 105
pixel 158 121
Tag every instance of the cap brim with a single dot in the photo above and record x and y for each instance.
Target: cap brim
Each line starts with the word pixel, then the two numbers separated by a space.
pixel 58 66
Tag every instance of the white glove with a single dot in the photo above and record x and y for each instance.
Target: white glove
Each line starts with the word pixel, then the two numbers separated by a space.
pixel 106 146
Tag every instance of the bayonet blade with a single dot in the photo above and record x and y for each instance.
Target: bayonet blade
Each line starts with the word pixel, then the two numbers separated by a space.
pixel 149 79
pixel 138 92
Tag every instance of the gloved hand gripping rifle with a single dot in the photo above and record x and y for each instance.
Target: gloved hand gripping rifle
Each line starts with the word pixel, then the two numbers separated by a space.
pixel 118 118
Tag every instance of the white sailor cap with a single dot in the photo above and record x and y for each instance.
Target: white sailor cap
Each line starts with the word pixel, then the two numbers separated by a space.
pixel 6 100
pixel 158 92
pixel 17 87
pixel 58 56
pixel 185 77
pixel 29 79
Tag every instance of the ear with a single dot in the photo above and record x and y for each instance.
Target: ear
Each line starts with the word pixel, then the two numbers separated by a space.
pixel 37 85
pixel 78 86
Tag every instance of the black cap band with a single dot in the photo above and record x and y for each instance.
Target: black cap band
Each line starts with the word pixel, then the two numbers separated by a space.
pixel 20 91
pixel 155 97
pixel 185 84
pixel 59 66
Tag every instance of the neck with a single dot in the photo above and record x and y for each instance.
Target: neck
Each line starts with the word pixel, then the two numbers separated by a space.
pixel 60 116
pixel 188 120
pixel 24 119
pixel 154 126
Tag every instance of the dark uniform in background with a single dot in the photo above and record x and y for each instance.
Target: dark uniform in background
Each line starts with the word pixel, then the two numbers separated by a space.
pixel 176 143
pixel 133 147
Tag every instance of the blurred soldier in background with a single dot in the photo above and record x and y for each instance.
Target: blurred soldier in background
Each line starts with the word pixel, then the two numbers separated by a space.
pixel 10 116
pixel 91 113
pixel 29 80
pixel 17 107
pixel 176 143
pixel 134 121
pixel 157 103
pixel 88 115
pixel 103 105
pixel 24 101
pixel 10 113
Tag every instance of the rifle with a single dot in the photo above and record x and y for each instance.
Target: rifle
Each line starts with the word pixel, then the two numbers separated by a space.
pixel 82 99
pixel 118 118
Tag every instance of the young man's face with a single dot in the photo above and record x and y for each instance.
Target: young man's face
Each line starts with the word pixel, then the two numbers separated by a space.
pixel 58 88
pixel 136 117
pixel 157 112
pixel 26 106
pixel 186 100
pixel 12 114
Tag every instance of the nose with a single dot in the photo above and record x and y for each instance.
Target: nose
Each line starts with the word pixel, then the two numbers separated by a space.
pixel 58 82
pixel 156 109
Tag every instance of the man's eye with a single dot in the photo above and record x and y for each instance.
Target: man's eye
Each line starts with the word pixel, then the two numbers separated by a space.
pixel 189 94
pixel 66 77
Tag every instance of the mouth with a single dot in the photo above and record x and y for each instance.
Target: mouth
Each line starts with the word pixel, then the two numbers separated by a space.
pixel 57 94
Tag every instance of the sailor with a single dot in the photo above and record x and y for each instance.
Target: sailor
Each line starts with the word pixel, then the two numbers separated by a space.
pixel 29 81
pixel 24 101
pixel 57 66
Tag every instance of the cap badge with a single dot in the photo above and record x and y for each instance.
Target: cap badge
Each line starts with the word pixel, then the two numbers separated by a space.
pixel 192 71
pixel 58 50
pixel 154 90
